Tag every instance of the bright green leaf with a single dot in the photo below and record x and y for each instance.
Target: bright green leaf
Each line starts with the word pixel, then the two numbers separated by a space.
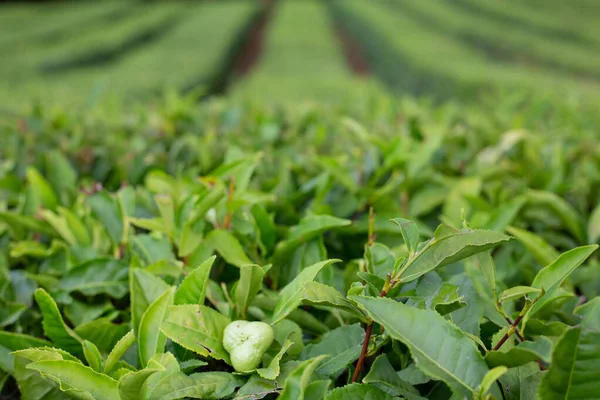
pixel 291 294
pixel 193 288
pixel 150 338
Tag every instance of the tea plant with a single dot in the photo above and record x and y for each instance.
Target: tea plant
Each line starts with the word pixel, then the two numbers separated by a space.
pixel 317 257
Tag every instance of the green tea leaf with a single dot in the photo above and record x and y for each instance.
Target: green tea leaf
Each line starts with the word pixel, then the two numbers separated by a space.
pixel 92 355
pixel 316 293
pixel 250 283
pixel 522 382
pixel 503 216
pixel 131 384
pixel 98 276
pixel 118 351
pixel 109 212
pixel 32 385
pixel 203 385
pixel 10 341
pixel 342 345
pixel 77 378
pixel 61 175
pixel 20 224
pixel 193 288
pixel 448 249
pixel 151 340
pixel 573 373
pixel 296 383
pixel 41 189
pixel 516 293
pixel 190 365
pixel 316 390
pixel 543 252
pixel 266 228
pixel 590 313
pixel 358 391
pixel 291 295
pixel 228 247
pixel 490 378
pixel 594 225
pixel 54 326
pixel 102 332
pixel 454 360
pixel 382 375
pixel 410 234
pixel 272 371
pixel 308 228
pixel 166 208
pixel 380 260
pixel 562 267
pixel 144 289
pixel 568 215
pixel 521 354
pixel 197 328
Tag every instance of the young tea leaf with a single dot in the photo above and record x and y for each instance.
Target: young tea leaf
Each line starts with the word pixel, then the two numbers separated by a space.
pixel 291 295
pixel 250 283
pixel 228 247
pixel 92 355
pixel 410 234
pixel 151 341
pixel 448 248
pixel 118 351
pixel 54 326
pixel 193 288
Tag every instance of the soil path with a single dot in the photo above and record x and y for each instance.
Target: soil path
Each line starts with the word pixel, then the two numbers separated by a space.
pixel 252 49
pixel 356 60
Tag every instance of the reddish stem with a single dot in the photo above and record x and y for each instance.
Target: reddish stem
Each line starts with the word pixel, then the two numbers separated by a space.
pixel 507 334
pixel 227 220
pixel 363 352
pixel 368 332
pixel 522 339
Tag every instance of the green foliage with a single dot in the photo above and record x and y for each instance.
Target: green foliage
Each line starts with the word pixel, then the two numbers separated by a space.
pixel 126 293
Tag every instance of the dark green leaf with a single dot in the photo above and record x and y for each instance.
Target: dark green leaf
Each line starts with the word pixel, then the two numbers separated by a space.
pixel 100 276
pixel 574 372
pixel 358 391
pixel 342 345
pixel 383 376
pixel 522 354
pixel 296 383
pixel 438 347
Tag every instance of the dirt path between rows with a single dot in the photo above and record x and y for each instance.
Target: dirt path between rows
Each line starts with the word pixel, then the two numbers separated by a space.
pixel 355 58
pixel 252 49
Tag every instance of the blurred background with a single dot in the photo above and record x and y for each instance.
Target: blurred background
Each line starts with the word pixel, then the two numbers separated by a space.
pixel 116 52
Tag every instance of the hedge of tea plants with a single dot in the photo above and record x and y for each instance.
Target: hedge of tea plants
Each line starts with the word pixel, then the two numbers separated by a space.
pixel 388 249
